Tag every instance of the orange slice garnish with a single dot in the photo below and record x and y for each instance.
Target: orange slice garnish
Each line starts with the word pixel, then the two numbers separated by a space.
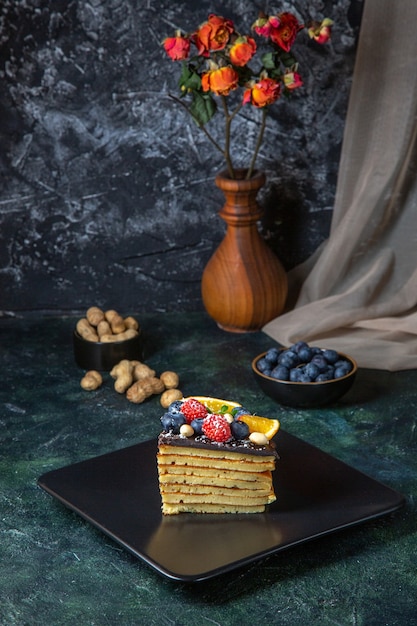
pixel 215 405
pixel 269 427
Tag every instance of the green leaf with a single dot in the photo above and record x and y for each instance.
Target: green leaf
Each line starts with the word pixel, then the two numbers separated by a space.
pixel 189 79
pixel 276 73
pixel 288 60
pixel 185 72
pixel 202 107
pixel 269 60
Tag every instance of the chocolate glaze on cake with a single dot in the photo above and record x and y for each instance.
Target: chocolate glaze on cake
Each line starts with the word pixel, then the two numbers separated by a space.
pixel 234 445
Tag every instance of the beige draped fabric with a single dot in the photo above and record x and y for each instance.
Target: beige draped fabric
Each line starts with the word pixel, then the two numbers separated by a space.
pixel 358 294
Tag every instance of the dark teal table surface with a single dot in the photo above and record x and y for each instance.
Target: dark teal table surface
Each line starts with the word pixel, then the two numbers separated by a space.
pixel 58 569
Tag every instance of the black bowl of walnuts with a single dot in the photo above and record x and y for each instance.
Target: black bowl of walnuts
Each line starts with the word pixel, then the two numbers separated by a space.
pixel 304 376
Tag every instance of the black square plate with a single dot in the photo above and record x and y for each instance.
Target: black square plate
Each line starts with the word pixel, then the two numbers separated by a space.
pixel 316 495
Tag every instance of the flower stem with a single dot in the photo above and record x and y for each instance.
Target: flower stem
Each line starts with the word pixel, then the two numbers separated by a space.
pixel 201 126
pixel 228 123
pixel 258 143
pixel 226 151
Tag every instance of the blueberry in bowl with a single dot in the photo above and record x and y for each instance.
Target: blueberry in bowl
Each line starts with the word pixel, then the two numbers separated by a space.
pixel 304 376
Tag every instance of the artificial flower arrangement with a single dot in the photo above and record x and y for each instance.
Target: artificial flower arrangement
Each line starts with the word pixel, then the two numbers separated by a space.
pixel 220 66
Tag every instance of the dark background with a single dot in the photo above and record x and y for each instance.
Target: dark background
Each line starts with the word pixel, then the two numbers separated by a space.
pixel 106 188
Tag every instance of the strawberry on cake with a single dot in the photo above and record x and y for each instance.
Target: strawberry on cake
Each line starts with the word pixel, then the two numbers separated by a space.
pixel 215 457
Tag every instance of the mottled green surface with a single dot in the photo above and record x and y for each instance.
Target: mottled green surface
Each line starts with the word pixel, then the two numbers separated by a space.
pixel 57 569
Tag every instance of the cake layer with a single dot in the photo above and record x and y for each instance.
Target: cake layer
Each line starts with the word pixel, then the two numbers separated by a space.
pixel 224 480
pixel 169 458
pixel 245 499
pixel 236 454
pixel 226 489
pixel 174 509
pixel 189 470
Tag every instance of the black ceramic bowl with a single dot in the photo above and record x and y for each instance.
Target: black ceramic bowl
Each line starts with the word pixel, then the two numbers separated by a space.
pixel 305 395
pixel 97 355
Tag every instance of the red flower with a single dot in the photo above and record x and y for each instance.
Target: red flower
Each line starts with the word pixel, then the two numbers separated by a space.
pixel 321 31
pixel 262 93
pixel 220 81
pixel 292 80
pixel 264 23
pixel 177 48
pixel 242 51
pixel 284 35
pixel 213 34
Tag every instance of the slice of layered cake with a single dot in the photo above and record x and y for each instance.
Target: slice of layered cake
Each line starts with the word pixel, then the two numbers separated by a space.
pixel 215 457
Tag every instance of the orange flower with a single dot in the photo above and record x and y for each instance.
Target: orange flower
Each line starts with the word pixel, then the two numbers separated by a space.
pixel 321 31
pixel 177 48
pixel 242 51
pixel 292 80
pixel 262 93
pixel 284 35
pixel 220 81
pixel 213 34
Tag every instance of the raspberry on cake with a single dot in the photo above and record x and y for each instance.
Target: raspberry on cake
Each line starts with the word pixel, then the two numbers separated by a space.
pixel 216 428
pixel 193 409
pixel 215 457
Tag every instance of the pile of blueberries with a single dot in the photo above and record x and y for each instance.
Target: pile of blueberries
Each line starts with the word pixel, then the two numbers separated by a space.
pixel 301 363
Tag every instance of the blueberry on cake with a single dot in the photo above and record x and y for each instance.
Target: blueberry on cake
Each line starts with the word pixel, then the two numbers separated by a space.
pixel 215 457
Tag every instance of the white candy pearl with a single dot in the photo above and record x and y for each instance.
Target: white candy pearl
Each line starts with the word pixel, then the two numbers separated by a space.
pixel 258 439
pixel 186 430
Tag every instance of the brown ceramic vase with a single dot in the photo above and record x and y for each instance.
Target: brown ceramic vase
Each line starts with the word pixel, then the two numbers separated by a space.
pixel 244 285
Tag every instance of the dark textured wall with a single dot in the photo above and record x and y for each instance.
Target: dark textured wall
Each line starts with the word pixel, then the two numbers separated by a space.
pixel 106 192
